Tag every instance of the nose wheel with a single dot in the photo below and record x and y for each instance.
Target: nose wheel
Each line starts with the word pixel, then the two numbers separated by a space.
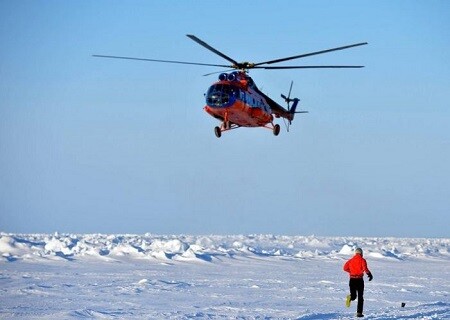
pixel 218 132
pixel 226 125
pixel 276 129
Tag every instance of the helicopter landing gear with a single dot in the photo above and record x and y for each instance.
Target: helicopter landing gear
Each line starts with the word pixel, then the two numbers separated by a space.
pixel 225 126
pixel 276 129
pixel 218 132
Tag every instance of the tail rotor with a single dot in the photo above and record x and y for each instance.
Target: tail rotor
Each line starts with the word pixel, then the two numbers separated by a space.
pixel 291 109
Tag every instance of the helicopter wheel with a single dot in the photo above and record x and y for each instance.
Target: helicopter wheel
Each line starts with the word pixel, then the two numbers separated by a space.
pixel 218 132
pixel 276 129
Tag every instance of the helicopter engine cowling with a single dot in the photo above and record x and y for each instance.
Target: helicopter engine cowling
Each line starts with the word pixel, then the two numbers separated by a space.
pixel 232 76
pixel 223 76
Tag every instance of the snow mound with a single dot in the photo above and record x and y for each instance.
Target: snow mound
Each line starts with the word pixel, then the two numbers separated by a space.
pixel 187 248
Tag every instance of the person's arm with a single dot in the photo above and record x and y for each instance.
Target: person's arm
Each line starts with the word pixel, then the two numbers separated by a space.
pixel 346 266
pixel 366 270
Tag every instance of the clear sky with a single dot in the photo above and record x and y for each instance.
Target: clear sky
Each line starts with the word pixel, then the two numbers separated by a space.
pixel 114 146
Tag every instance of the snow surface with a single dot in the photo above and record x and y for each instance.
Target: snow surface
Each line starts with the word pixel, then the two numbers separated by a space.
pixel 97 276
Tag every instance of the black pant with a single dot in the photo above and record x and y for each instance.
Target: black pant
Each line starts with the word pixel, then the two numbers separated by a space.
pixel 357 287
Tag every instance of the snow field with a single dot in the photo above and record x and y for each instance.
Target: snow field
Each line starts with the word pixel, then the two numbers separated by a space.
pixel 62 276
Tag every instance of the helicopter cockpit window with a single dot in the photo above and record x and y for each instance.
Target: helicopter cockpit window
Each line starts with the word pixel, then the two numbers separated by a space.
pixel 221 94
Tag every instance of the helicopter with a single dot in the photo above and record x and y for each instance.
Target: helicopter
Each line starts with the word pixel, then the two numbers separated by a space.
pixel 236 101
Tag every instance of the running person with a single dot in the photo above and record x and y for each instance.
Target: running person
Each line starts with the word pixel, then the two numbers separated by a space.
pixel 356 267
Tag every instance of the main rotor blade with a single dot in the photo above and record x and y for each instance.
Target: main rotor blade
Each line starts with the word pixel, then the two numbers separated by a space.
pixel 165 61
pixel 307 67
pixel 311 54
pixel 207 46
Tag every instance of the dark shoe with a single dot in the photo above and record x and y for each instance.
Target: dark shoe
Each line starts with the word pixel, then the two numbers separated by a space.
pixel 359 315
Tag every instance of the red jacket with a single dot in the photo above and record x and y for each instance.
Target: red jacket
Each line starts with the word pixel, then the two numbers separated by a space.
pixel 356 266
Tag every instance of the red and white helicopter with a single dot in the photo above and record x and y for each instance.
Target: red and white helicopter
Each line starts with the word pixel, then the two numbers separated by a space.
pixel 236 101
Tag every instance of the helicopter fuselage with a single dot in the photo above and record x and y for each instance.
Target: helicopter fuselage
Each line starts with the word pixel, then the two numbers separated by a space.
pixel 235 100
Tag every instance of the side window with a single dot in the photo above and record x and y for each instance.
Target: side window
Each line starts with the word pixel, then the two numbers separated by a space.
pixel 243 97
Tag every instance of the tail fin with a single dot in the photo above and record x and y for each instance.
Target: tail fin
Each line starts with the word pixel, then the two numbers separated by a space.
pixel 294 107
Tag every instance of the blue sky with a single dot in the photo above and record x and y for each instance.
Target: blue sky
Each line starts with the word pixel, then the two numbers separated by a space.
pixel 114 146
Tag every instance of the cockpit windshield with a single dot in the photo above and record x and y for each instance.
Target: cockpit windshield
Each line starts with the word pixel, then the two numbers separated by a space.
pixel 221 95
